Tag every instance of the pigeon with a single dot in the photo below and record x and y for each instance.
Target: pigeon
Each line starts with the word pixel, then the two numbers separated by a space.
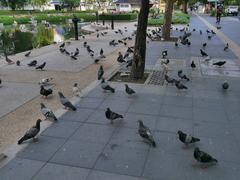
pixel 129 63
pixel 45 81
pixel 186 138
pixel 27 54
pixel 18 63
pixel 203 157
pixel 41 66
pixel 164 53
pixel 176 44
pixel 62 50
pixel 31 133
pixel 200 31
pixel 110 115
pixel 9 61
pixel 225 85
pixel 65 102
pixel 101 52
pixel 193 65
pixel 204 45
pixel 100 72
pixel 213 32
pixel 226 47
pixel 180 86
pixel 208 31
pixel 145 133
pixel 106 87
pixel 62 45
pixel 208 58
pixel 120 58
pixel 76 90
pixel 32 63
pixel 203 53
pixel 128 90
pixel 170 80
pixel 73 57
pixel 219 63
pixel 67 53
pixel 182 76
pixel 209 37
pixel 0 82
pixel 45 92
pixel 47 112
pixel 165 62
pixel 76 53
pixel 85 44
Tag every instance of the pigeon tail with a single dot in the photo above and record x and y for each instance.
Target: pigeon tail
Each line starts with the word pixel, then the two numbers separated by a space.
pixel 153 143
pixel 21 140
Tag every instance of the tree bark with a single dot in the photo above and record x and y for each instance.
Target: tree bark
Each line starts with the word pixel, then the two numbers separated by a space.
pixel 185 4
pixel 139 55
pixel 167 19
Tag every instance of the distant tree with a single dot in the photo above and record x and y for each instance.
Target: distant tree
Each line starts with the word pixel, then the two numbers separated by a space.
pixel 14 4
pixel 71 3
pixel 38 2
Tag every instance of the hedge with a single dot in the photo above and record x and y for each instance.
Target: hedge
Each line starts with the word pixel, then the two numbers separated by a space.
pixel 27 12
pixel 126 17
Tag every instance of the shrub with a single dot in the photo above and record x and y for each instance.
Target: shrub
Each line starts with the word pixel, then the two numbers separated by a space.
pixel 126 17
pixel 6 20
pixel 43 37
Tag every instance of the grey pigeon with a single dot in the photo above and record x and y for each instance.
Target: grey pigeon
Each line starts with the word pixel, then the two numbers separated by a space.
pixel 45 92
pixel 41 66
pixel 62 45
pixel 219 63
pixel 203 157
pixel 28 53
pixel 225 85
pixel 128 90
pixel 169 79
pixel 65 102
pixel 182 76
pixel 193 65
pixel 106 87
pixel 203 53
pixel 100 72
pixel 110 115
pixel 180 86
pixel 186 138
pixel 164 53
pixel 226 47
pixel 31 133
pixel 145 133
pixel 32 63
pixel 48 112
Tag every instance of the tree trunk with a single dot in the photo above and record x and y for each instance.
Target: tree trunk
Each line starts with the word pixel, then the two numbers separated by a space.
pixel 138 65
pixel 185 7
pixel 167 19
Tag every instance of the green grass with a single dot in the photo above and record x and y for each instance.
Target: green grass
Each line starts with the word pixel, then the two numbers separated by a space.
pixel 178 18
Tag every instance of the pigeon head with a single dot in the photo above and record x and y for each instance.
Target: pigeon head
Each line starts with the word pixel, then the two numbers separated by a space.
pixel 103 80
pixel 42 105
pixel 180 72
pixel 126 85
pixel 180 132
pixel 108 109
pixel 75 85
pixel 42 87
pixel 196 149
pixel 60 94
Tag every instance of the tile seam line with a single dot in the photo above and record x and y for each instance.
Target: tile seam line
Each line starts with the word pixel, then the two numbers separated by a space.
pixel 232 45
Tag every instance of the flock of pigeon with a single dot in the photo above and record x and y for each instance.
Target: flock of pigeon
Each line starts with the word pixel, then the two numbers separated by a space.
pixel 126 59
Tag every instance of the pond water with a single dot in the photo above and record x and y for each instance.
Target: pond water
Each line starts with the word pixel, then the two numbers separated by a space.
pixel 24 35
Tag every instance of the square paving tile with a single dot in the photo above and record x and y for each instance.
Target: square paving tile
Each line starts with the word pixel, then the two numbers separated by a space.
pixel 176 111
pixel 94 133
pixel 62 129
pixel 178 101
pixel 117 104
pixel 99 175
pixel 20 169
pixel 42 150
pixel 59 172
pixel 149 108
pixel 122 160
pixel 78 153
pixel 80 115
pixel 91 103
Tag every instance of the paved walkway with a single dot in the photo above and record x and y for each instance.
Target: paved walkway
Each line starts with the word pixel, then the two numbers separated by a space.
pixel 84 145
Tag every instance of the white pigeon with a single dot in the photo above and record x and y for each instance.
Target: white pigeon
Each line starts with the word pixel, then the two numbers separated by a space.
pixel 76 90
pixel 45 81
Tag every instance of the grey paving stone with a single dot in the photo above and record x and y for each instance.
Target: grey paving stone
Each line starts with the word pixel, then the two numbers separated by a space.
pixel 98 175
pixel 20 169
pixel 208 103
pixel 122 160
pixel 81 115
pixel 174 124
pixel 131 120
pixel 42 150
pixel 62 129
pixel 149 108
pixel 78 153
pixel 59 172
pixel 91 103
pixel 209 115
pixel 94 133
pixel 163 166
pixel 118 105
pixel 176 111
pixel 178 101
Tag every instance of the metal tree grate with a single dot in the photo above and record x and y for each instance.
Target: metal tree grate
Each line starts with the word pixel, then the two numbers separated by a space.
pixel 157 78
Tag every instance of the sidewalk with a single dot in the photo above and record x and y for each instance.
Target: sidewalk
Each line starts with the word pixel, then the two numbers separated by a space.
pixel 84 145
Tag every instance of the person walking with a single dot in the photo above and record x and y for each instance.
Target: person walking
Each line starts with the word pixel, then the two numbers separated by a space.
pixel 218 14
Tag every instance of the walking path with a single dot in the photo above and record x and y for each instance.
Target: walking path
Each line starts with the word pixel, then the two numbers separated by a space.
pixel 84 145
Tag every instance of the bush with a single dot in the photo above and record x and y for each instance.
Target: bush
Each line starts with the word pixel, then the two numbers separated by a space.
pixel 126 17
pixel 6 20
pixel 43 37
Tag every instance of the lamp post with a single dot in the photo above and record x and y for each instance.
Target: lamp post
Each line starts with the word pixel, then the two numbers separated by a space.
pixel 112 22
pixel 103 20
pixel 97 17
pixel 75 21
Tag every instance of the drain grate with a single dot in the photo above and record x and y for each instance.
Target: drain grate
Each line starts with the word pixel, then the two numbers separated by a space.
pixel 157 78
